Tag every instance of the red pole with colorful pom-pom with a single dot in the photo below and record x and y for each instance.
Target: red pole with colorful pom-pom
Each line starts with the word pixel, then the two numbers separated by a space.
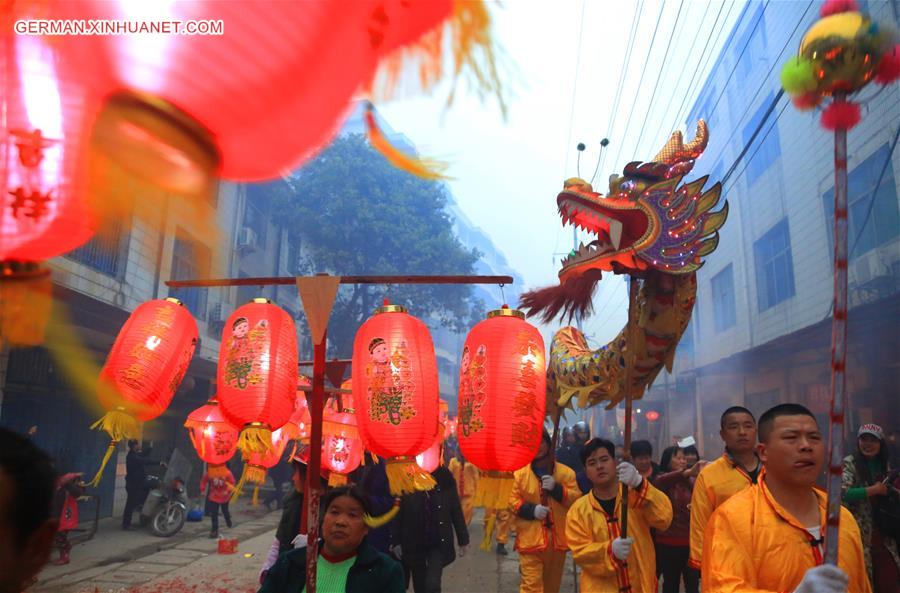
pixel 840 54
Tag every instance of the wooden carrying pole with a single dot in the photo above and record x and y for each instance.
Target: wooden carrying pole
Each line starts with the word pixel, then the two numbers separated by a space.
pixel 317 294
pixel 629 365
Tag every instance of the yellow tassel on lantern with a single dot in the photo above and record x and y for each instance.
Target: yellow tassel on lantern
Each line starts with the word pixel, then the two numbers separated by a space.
pixel 26 299
pixel 255 438
pixel 335 480
pixel 106 457
pixel 488 532
pixel 382 520
pixel 405 476
pixel 120 425
pixel 252 474
pixel 217 471
pixel 254 501
pixel 493 490
pixel 420 167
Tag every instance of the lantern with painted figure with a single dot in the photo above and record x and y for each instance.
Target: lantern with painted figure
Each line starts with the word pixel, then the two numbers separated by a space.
pixel 342 449
pixel 213 437
pixel 257 465
pixel 395 387
pixel 502 391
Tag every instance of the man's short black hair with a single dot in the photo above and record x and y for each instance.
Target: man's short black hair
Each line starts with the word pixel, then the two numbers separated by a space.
pixel 639 448
pixel 594 444
pixel 354 492
pixel 767 420
pixel 33 479
pixel 734 410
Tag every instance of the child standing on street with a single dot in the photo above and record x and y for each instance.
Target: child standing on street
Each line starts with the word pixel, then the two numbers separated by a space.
pixel 218 483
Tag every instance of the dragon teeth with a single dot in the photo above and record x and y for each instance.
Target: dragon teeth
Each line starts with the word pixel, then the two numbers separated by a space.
pixel 615 233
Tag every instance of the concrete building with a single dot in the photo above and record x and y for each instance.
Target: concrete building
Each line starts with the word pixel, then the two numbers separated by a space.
pixel 761 329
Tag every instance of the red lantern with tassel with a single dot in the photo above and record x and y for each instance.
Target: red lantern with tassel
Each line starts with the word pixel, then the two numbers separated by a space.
pixel 214 439
pixel 257 466
pixel 395 385
pixel 257 373
pixel 147 362
pixel 502 390
pixel 342 449
pixel 47 113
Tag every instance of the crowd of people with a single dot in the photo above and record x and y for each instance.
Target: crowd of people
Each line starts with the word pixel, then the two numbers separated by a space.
pixel 751 520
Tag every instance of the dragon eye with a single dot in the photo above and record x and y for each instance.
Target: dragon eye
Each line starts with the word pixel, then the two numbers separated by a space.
pixel 628 186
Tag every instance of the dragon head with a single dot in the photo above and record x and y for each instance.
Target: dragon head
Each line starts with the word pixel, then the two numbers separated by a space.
pixel 646 223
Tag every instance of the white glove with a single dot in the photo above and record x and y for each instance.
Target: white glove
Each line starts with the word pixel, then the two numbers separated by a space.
pixel 540 512
pixel 621 548
pixel 463 550
pixel 548 483
pixel 823 579
pixel 395 550
pixel 300 541
pixel 628 475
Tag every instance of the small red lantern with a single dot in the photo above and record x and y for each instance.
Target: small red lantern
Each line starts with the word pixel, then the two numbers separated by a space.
pixel 342 449
pixel 258 464
pixel 652 416
pixel 502 390
pixel 297 426
pixel 212 436
pixel 147 362
pixel 395 385
pixel 257 373
pixel 430 458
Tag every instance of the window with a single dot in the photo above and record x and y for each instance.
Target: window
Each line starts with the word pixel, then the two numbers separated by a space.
pixel 753 38
pixel 724 315
pixel 255 218
pixel 190 260
pixel 767 140
pixel 774 266
pixel 101 253
pixel 883 222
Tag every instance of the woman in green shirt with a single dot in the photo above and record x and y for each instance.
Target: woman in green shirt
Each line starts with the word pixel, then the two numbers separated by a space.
pixel 346 562
pixel 863 486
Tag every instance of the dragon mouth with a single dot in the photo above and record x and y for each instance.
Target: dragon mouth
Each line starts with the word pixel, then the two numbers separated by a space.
pixel 617 224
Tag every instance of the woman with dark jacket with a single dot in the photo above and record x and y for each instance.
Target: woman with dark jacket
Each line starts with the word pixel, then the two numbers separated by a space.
pixel 424 531
pixel 673 544
pixel 864 487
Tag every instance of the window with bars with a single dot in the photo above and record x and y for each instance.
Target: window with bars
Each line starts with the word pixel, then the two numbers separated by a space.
pixel 724 311
pixel 768 141
pixel 190 260
pixel 102 253
pixel 774 266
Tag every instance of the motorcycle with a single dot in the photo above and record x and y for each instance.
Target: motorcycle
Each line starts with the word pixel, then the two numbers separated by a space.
pixel 165 507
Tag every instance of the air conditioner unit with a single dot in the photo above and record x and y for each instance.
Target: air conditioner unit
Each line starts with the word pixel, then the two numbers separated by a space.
pixel 246 240
pixel 867 268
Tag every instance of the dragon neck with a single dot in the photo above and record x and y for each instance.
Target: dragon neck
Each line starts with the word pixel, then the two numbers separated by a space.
pixel 664 306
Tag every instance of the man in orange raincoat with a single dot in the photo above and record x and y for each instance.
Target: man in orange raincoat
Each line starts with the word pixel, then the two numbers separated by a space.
pixel 540 497
pixel 466 476
pixel 608 561
pixel 769 536
pixel 737 469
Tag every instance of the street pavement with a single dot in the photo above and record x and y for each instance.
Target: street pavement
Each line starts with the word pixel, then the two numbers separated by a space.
pixel 137 562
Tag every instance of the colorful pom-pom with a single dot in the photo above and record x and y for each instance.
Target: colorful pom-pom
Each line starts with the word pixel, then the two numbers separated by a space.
pixel 798 76
pixel 806 101
pixel 889 67
pixel 840 115
pixel 831 7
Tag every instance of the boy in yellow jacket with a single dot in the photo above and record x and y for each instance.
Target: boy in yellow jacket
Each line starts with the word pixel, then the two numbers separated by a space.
pixel 609 562
pixel 540 497
pixel 736 470
pixel 466 476
pixel 769 536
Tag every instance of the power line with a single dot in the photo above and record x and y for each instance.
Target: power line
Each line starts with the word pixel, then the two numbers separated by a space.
pixel 749 142
pixel 635 23
pixel 766 79
pixel 759 19
pixel 698 69
pixel 887 161
pixel 640 82
pixel 758 146
pixel 662 68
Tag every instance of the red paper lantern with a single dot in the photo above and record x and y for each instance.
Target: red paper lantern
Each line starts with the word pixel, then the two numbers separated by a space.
pixel 257 465
pixel 214 439
pixel 342 449
pixel 395 384
pixel 298 425
pixel 502 390
pixel 257 373
pixel 274 88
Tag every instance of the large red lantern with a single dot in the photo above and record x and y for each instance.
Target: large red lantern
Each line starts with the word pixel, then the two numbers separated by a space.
pixel 255 121
pixel 212 436
pixel 46 118
pixel 395 387
pixel 257 373
pixel 342 449
pixel 502 390
pixel 147 362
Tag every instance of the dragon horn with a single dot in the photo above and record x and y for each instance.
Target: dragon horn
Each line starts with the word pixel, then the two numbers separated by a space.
pixel 696 146
pixel 673 147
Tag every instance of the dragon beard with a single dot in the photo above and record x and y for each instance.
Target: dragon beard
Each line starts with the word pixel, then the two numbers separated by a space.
pixel 570 298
